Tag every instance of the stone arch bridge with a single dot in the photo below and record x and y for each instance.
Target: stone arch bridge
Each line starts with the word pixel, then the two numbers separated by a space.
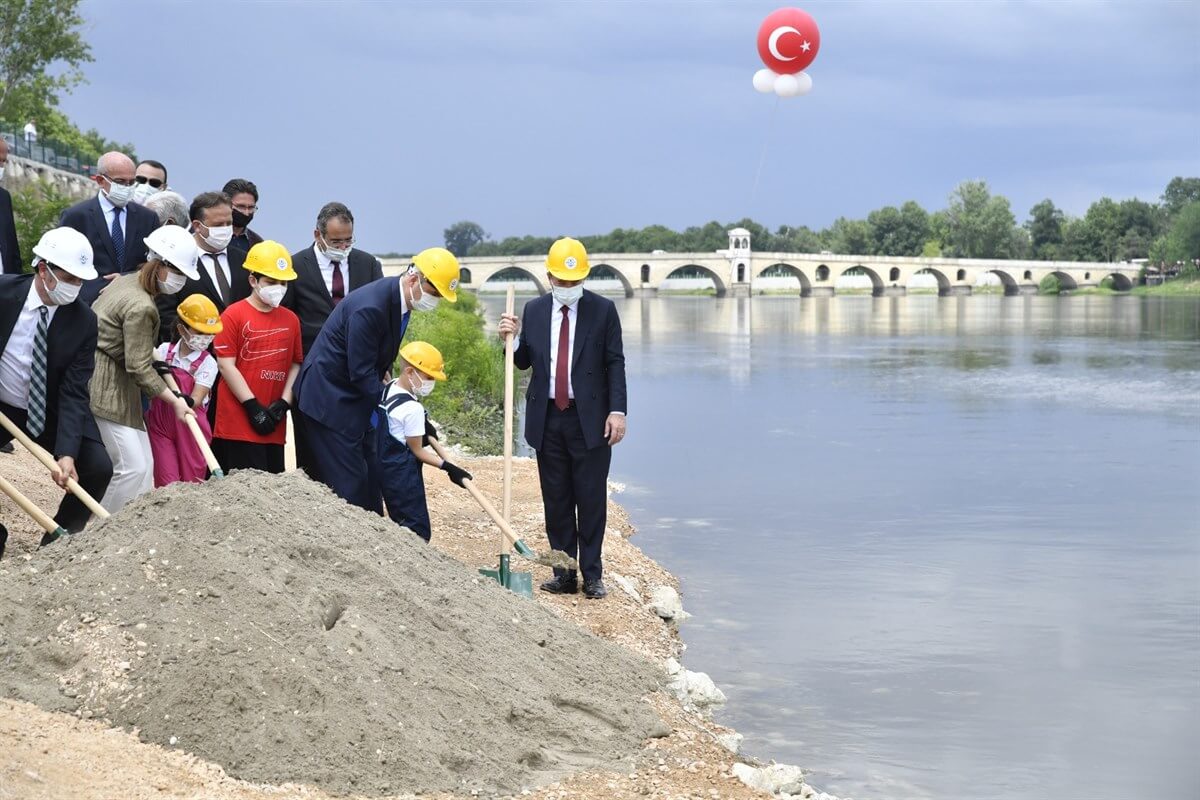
pixel 734 272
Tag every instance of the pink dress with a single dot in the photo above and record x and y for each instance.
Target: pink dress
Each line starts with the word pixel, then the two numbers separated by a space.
pixel 177 457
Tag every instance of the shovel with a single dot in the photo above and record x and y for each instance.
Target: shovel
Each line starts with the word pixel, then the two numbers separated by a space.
pixel 52 528
pixel 205 450
pixel 41 454
pixel 556 558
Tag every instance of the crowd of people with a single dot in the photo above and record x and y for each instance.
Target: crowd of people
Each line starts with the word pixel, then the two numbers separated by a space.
pixel 152 329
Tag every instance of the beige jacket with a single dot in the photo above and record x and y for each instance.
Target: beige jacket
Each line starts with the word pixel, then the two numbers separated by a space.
pixel 127 333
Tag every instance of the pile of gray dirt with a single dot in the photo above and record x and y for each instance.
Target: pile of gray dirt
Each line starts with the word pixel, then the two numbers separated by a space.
pixel 260 622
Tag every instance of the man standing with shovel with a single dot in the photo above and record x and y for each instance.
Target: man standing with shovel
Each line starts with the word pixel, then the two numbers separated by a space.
pixel 575 409
pixel 47 352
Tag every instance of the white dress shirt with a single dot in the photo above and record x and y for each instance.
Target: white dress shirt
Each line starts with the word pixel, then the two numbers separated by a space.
pixel 326 267
pixel 222 259
pixel 555 325
pixel 109 212
pixel 16 363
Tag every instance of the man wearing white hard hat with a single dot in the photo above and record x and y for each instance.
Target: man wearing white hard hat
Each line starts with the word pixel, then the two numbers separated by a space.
pixel 47 348
pixel 128 325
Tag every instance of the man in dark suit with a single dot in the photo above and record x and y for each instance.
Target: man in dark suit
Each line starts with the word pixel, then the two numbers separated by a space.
pixel 115 227
pixel 243 194
pixel 10 250
pixel 47 353
pixel 223 278
pixel 575 409
pixel 325 274
pixel 341 379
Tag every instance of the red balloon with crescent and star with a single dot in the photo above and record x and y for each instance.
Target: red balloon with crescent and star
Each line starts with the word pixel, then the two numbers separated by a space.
pixel 788 41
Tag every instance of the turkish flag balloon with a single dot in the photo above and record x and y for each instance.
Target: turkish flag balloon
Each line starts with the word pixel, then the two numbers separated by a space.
pixel 788 41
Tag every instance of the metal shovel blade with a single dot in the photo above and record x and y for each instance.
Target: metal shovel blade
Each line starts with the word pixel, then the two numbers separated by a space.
pixel 517 582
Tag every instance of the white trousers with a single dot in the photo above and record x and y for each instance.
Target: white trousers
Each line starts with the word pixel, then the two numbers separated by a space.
pixel 132 460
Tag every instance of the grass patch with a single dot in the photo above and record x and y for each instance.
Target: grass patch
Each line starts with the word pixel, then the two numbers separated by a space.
pixel 1179 287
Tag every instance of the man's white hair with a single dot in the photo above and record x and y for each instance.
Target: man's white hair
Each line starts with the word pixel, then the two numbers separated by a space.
pixel 169 205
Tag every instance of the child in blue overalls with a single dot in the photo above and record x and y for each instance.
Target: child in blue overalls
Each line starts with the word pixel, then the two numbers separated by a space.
pixel 400 438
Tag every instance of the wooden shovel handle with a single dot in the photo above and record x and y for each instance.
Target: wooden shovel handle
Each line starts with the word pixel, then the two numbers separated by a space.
pixel 508 414
pixel 27 505
pixel 213 466
pixel 484 503
pixel 41 454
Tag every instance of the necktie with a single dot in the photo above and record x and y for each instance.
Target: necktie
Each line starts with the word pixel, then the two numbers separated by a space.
pixel 561 400
pixel 118 239
pixel 339 285
pixel 222 281
pixel 36 419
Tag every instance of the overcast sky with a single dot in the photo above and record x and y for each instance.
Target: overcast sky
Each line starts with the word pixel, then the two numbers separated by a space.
pixel 575 118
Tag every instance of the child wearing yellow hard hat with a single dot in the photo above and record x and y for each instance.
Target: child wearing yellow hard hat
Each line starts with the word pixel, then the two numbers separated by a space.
pixel 400 432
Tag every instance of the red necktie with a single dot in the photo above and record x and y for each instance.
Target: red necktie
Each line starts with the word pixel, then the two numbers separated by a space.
pixel 561 400
pixel 339 286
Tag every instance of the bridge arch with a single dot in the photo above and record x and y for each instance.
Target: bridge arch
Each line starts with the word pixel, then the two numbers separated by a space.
pixel 464 276
pixel 943 280
pixel 706 271
pixel 609 272
pixel 1008 281
pixel 775 270
pixel 1120 282
pixel 1065 281
pixel 863 269
pixel 513 272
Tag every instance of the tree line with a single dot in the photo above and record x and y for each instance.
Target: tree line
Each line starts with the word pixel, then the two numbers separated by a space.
pixel 975 224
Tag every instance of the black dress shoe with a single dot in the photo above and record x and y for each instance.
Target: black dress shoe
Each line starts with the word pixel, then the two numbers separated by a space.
pixel 562 584
pixel 594 590
pixel 3 539
pixel 7 447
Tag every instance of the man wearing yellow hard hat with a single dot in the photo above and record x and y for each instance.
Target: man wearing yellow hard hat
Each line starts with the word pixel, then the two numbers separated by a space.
pixel 575 409
pixel 341 381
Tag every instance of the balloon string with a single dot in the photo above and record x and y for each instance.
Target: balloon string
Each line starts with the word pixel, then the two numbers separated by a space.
pixel 762 158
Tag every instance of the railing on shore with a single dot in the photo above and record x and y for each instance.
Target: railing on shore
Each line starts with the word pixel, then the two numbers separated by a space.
pixel 46 151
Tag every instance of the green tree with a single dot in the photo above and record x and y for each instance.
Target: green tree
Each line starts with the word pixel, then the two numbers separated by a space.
pixel 1179 192
pixel 36 208
pixel 1102 230
pixel 797 240
pixel 1045 228
pixel 462 236
pixel 979 225
pixel 1182 242
pixel 899 231
pixel 36 36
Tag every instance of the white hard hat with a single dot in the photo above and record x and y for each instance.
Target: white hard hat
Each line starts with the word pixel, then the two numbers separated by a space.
pixel 177 247
pixel 67 249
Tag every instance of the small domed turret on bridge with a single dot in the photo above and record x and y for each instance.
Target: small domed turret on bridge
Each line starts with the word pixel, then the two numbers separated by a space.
pixel 735 270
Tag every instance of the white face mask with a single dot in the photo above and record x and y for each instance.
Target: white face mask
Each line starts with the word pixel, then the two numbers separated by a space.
pixel 334 253
pixel 173 283
pixel 1 172
pixel 198 341
pixel 63 293
pixel 118 195
pixel 143 192
pixel 272 295
pixel 567 294
pixel 421 387
pixel 219 238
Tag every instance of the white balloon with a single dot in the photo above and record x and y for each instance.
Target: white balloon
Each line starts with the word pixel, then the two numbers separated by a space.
pixel 764 80
pixel 787 86
pixel 804 83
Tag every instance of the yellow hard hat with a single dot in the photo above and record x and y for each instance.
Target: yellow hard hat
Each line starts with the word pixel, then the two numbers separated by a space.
pixel 568 260
pixel 272 260
pixel 440 267
pixel 200 313
pixel 426 358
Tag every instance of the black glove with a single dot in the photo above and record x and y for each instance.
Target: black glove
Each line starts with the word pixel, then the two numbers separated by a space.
pixel 278 410
pixel 260 419
pixel 161 367
pixel 457 474
pixel 430 432
pixel 187 398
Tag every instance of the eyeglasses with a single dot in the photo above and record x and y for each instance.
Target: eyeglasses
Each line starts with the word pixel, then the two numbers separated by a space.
pixel 340 243
pixel 155 182
pixel 121 181
pixel 247 209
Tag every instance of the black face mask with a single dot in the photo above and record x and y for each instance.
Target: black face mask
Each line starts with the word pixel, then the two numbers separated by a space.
pixel 241 220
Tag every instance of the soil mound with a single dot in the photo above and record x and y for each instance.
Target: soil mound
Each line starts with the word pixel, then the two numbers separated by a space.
pixel 262 623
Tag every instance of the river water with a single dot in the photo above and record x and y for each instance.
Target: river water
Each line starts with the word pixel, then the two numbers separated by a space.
pixel 935 547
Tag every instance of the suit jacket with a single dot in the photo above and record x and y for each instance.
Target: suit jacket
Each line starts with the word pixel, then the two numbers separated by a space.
pixel 341 379
pixel 244 242
pixel 88 218
pixel 597 365
pixel 311 301
pixel 70 358
pixel 239 289
pixel 10 250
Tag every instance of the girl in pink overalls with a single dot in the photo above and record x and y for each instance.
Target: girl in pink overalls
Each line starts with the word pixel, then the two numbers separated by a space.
pixel 187 362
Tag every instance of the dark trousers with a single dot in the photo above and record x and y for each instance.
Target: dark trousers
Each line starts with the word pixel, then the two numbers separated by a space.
pixel 574 483
pixel 91 462
pixel 346 464
pixel 236 454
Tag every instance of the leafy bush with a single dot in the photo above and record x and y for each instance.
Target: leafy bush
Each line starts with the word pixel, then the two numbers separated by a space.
pixel 36 209
pixel 1050 285
pixel 469 405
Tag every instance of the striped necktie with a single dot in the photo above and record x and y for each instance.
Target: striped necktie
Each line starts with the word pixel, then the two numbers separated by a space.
pixel 118 239
pixel 36 419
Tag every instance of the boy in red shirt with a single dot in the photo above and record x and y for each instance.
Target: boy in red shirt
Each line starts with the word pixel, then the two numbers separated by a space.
pixel 259 353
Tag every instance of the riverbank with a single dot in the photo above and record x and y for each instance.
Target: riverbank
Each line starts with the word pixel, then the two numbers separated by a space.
pixel 52 755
